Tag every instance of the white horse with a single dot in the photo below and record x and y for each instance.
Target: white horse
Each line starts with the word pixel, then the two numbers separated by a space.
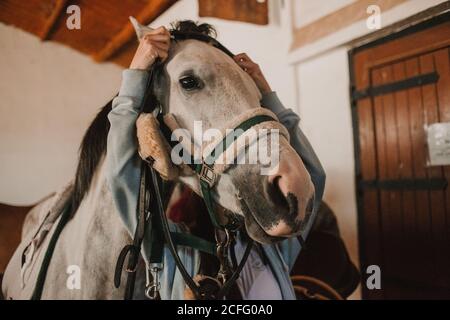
pixel 91 241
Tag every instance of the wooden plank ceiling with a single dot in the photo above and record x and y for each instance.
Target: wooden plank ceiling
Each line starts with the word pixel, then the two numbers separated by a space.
pixel 105 34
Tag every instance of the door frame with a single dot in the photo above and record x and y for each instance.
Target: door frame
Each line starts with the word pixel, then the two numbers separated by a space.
pixel 436 16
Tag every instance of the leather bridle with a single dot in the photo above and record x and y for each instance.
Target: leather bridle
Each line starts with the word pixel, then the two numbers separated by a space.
pixel 227 275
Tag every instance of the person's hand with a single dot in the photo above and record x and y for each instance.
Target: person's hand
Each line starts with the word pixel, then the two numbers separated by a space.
pixel 254 71
pixel 152 46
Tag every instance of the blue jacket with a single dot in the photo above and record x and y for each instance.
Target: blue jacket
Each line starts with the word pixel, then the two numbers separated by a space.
pixel 124 172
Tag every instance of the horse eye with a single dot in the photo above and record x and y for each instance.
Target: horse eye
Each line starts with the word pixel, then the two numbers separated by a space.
pixel 190 83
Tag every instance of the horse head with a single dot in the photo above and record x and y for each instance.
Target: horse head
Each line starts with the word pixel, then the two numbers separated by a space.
pixel 201 85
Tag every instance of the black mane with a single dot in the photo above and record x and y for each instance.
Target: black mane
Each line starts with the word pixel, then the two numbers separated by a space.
pixel 93 145
pixel 92 149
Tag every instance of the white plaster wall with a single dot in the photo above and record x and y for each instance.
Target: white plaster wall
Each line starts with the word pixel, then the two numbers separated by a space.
pixel 48 95
pixel 326 120
pixel 307 11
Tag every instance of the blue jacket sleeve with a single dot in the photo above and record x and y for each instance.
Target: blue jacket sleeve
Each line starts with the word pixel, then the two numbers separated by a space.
pixel 123 162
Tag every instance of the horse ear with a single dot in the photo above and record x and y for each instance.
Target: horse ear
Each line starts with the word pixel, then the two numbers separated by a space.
pixel 140 29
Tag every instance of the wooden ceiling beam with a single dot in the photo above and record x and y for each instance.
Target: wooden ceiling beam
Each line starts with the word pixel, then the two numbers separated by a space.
pixel 252 11
pixel 150 12
pixel 49 24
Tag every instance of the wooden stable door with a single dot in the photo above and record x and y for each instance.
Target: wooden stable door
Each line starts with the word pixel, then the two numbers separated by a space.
pixel 401 85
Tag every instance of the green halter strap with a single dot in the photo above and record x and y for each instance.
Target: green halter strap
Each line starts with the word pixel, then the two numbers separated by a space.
pixel 205 170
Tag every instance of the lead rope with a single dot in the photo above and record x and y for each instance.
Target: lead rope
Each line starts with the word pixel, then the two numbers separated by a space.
pixel 133 250
pixel 166 231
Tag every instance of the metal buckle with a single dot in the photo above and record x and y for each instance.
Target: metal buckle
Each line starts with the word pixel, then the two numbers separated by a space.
pixel 208 175
pixel 222 247
pixel 153 286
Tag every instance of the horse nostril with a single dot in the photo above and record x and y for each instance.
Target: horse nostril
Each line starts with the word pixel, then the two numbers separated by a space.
pixel 292 202
pixel 288 203
pixel 310 206
pixel 274 193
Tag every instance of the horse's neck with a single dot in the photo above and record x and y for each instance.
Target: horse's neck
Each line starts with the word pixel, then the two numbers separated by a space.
pixel 92 240
pixel 96 213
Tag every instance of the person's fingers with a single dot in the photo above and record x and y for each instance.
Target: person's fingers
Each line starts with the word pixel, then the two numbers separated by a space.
pixel 242 57
pixel 166 32
pixel 157 37
pixel 249 67
pixel 163 54
pixel 155 44
pixel 247 64
pixel 149 34
pixel 152 52
pixel 159 34
pixel 239 58
pixel 161 45
pixel 160 37
pixel 159 30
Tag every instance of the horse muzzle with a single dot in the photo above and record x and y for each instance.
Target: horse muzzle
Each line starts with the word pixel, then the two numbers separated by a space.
pixel 291 191
pixel 279 205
